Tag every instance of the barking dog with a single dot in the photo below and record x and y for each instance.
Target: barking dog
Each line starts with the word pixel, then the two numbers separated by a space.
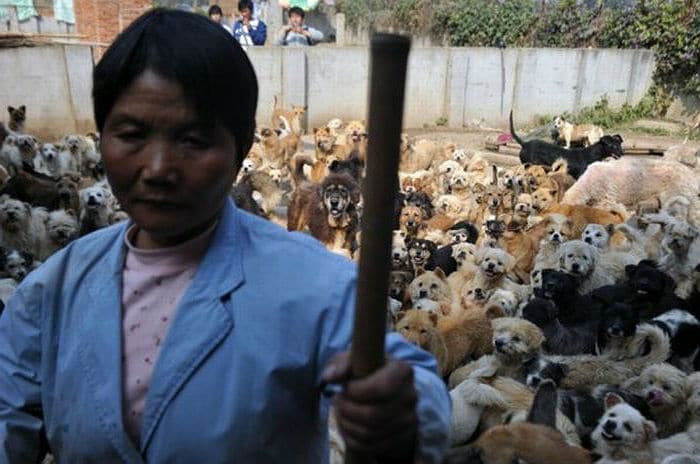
pixel 329 210
pixel 421 254
pixel 578 159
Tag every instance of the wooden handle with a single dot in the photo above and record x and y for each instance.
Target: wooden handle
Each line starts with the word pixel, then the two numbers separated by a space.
pixel 389 57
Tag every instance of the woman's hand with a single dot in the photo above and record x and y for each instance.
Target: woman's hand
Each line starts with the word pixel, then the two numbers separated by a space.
pixel 376 415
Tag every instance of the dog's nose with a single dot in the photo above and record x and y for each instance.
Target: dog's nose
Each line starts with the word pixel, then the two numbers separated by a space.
pixel 499 343
pixel 609 426
pixel 423 294
pixel 615 330
pixel 534 382
pixel 556 237
pixel 588 240
pixel 397 255
pixel 490 266
pixel 575 267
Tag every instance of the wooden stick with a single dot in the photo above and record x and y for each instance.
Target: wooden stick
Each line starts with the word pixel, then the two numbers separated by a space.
pixel 389 57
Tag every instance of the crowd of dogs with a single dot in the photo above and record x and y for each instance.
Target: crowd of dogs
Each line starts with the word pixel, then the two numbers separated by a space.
pixel 560 296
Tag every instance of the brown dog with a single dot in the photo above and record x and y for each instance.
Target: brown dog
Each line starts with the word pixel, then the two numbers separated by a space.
pixel 282 118
pixel 326 147
pixel 41 190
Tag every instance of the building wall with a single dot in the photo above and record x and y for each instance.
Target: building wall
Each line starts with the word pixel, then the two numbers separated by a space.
pixel 459 85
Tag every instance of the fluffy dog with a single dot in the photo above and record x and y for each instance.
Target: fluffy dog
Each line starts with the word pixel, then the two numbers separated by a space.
pixel 15 264
pixel 555 230
pixel 16 150
pixel 628 181
pixel 47 161
pixel 515 341
pixel 665 390
pixel 595 269
pixel 73 149
pixel 587 134
pixel 679 257
pixel 96 208
pixel 18 117
pixel 581 216
pixel 598 235
pixel 578 159
pixel 623 435
pixel 562 289
pixel 62 227
pixel 418 155
pixel 23 227
pixel 399 252
pixel 494 265
pixel 684 330
pixel 328 209
pixel 617 325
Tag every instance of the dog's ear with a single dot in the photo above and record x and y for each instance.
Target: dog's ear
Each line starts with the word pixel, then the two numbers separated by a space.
pixel 617 137
pixel 612 399
pixel 399 315
pixel 316 129
pixel 544 405
pixel 494 311
pixel 10 109
pixel 649 431
pixel 630 270
pixel 433 318
pixel 439 273
pixel 23 108
pixel 333 166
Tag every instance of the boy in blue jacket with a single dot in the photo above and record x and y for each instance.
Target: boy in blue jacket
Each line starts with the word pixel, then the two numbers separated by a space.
pixel 246 30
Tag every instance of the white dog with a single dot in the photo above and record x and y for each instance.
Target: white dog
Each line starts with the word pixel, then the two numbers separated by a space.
pixel 97 206
pixel 596 268
pixel 62 227
pixel 23 227
pixel 622 434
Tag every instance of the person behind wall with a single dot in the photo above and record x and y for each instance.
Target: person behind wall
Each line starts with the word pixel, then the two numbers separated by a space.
pixel 296 32
pixel 216 14
pixel 246 30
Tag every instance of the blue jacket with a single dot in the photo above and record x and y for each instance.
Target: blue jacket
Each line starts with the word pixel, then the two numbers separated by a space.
pixel 237 378
pixel 255 34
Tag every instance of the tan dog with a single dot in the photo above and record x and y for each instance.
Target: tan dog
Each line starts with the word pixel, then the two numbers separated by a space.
pixel 282 117
pixel 494 266
pixel 588 134
pixel 554 230
pixel 515 341
pixel 412 221
pixel 327 147
pixel 356 138
pixel 416 156
pixel 582 215
pixel 666 391
pixel 431 285
pixel 451 339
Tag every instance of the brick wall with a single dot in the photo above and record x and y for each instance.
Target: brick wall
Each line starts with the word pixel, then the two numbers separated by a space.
pixel 99 21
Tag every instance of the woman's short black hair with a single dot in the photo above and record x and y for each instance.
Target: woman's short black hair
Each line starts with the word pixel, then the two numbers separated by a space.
pixel 191 50
pixel 245 5
pixel 296 10
pixel 215 9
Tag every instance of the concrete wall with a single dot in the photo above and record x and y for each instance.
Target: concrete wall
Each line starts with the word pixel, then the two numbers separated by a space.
pixel 54 82
pixel 458 84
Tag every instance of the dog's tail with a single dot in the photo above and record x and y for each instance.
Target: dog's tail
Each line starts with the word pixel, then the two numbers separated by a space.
pixel 650 345
pixel 512 130
pixel 274 102
pixel 298 162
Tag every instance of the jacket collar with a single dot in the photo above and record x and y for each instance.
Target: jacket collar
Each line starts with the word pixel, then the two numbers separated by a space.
pixel 201 322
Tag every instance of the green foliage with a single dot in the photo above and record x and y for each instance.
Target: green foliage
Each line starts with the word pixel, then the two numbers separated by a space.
pixel 441 121
pixel 671 28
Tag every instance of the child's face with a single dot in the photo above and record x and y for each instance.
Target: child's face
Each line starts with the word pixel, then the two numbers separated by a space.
pixel 296 20
pixel 216 17
pixel 245 14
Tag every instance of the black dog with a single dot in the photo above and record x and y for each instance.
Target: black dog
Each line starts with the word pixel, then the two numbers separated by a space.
pixel 444 260
pixel 619 321
pixel 351 166
pixel 422 201
pixel 464 231
pixel 684 331
pixel 578 159
pixel 560 339
pixel 573 309
pixel 648 289
pixel 421 254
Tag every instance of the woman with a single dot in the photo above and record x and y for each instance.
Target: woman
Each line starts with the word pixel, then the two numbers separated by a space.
pixel 196 332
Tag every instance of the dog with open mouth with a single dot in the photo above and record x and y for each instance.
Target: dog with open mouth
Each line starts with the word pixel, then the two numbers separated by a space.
pixel 623 434
pixel 421 254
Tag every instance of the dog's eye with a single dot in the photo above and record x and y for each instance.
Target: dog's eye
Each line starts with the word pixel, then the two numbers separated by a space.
pixel 551 231
pixel 666 387
pixel 423 332
pixel 598 235
pixel 516 339
pixel 434 286
pixel 420 284
pixel 585 258
pixel 570 256
pixel 651 382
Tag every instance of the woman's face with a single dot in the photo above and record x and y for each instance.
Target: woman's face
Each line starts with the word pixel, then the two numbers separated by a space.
pixel 169 172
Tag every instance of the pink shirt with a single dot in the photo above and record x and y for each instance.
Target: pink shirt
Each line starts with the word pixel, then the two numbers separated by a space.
pixel 153 284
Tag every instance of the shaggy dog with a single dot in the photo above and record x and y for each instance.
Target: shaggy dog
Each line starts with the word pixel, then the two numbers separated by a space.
pixel 431 285
pixel 421 254
pixel 560 339
pixel 15 264
pixel 263 191
pixel 352 166
pixel 463 232
pixel 578 159
pixel 453 340
pixel 505 301
pixel 665 390
pixel 18 116
pixel 595 269
pixel 23 227
pixel 47 161
pixel 329 210
pixel 628 181
pixel 62 227
pixel 678 255
pixel 623 434
pixel 417 155
pixel 494 265
pixel 515 341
